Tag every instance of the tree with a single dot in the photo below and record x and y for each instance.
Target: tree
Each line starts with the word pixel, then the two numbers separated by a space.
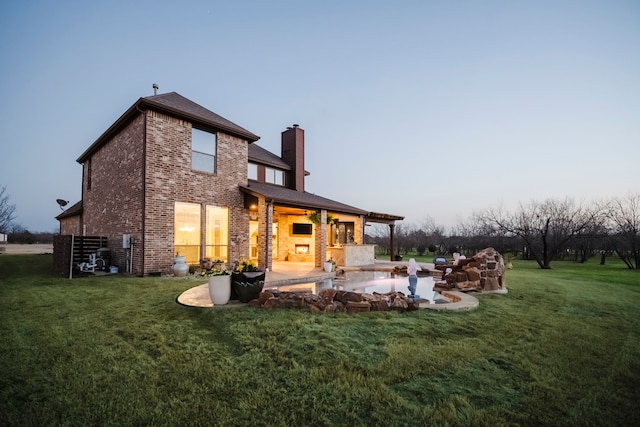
pixel 624 216
pixel 545 227
pixel 6 211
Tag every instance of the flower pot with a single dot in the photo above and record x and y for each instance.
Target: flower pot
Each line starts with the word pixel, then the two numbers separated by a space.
pixel 247 285
pixel 220 289
pixel 180 267
pixel 328 267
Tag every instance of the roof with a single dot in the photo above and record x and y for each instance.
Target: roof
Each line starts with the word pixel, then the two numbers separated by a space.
pixel 73 210
pixel 287 197
pixel 175 105
pixel 258 154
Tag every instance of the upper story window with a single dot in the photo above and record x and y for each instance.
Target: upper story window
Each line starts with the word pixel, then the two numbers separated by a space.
pixel 274 176
pixel 203 151
pixel 252 171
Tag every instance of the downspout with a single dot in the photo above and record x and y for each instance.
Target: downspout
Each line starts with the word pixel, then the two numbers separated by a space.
pixel 144 189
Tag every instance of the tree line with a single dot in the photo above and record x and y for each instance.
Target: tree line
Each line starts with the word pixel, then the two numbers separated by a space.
pixel 544 231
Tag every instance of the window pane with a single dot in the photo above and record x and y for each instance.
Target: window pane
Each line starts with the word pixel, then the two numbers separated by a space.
pixel 203 162
pixel 203 142
pixel 217 233
pixel 187 231
pixel 203 150
pixel 252 172
pixel 279 178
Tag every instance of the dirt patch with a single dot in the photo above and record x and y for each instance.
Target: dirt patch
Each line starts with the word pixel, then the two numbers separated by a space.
pixel 13 248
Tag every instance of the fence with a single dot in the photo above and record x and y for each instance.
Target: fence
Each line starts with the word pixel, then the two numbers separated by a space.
pixel 70 250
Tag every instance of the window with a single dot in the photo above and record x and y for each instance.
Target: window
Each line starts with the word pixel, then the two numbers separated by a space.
pixel 188 239
pixel 274 176
pixel 252 171
pixel 203 151
pixel 217 233
pixel 186 233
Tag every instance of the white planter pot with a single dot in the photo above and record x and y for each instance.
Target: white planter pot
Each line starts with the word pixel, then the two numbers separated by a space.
pixel 328 267
pixel 220 289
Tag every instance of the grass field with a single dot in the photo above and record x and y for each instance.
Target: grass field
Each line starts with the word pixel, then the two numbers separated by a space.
pixel 562 348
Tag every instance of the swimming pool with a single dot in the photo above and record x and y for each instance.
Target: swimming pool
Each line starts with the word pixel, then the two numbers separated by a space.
pixel 366 282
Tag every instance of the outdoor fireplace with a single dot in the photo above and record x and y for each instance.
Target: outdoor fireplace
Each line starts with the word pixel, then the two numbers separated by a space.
pixel 302 249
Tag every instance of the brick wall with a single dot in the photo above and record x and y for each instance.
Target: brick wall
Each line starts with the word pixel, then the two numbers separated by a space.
pixel 169 178
pixel 113 206
pixel 71 225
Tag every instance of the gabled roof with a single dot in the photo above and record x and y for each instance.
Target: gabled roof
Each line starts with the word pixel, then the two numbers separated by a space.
pixel 302 199
pixel 258 154
pixel 174 105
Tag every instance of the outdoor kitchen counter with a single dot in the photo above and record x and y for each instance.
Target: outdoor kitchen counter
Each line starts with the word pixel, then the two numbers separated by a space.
pixel 352 255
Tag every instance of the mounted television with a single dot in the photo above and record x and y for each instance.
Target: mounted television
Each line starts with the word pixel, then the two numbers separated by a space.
pixel 298 228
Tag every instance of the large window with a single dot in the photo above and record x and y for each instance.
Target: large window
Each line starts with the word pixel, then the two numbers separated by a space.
pixel 217 233
pixel 186 239
pixel 274 176
pixel 203 151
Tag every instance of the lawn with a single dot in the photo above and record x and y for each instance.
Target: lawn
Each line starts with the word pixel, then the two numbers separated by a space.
pixel 562 348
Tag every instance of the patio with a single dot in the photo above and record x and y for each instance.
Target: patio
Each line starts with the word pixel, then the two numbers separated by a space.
pixel 288 273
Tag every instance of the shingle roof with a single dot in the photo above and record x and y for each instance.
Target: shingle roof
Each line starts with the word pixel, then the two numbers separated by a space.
pixel 75 209
pixel 175 105
pixel 179 105
pixel 287 197
pixel 258 154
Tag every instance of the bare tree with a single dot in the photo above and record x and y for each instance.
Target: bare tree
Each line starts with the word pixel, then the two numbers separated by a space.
pixel 624 217
pixel 6 211
pixel 546 228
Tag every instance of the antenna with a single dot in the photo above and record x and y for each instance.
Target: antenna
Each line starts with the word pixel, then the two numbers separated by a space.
pixel 155 88
pixel 62 203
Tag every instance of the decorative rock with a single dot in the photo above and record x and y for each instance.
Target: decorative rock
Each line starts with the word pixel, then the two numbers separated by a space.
pixel 358 307
pixel 474 274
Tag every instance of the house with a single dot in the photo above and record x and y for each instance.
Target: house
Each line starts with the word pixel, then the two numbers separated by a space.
pixel 169 176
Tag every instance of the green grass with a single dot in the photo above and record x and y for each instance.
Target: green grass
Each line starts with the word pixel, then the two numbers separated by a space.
pixel 562 348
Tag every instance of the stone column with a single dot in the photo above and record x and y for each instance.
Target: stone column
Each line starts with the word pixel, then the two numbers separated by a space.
pixel 320 247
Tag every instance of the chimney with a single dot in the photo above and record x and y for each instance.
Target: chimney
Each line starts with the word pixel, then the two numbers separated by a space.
pixel 293 155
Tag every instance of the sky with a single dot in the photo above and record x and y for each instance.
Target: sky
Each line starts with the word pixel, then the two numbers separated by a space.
pixel 423 109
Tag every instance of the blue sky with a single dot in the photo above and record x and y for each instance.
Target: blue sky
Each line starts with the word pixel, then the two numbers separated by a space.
pixel 415 108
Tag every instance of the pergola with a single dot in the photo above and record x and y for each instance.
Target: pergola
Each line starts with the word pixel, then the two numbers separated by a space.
pixel 390 220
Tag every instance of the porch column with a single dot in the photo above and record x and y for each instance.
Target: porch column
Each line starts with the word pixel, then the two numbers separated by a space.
pixel 391 240
pixel 321 240
pixel 265 221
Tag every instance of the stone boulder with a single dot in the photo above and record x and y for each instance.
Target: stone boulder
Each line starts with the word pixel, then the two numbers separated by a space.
pixel 482 272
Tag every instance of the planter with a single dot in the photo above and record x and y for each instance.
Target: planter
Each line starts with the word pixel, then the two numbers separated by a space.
pixel 220 289
pixel 180 266
pixel 328 267
pixel 247 285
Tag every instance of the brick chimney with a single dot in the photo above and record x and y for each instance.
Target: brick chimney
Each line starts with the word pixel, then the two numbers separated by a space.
pixel 293 155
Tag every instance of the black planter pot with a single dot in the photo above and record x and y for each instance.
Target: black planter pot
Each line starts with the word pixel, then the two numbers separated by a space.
pixel 246 286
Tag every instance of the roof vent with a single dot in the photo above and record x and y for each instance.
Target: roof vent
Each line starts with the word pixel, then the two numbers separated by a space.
pixel 295 125
pixel 155 88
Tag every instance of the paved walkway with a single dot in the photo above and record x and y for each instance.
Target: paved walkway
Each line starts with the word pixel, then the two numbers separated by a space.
pixel 288 273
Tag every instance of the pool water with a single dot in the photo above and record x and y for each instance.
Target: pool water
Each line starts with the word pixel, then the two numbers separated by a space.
pixel 367 282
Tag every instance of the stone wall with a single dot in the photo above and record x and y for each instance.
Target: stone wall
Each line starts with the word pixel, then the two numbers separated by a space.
pixel 335 301
pixel 482 272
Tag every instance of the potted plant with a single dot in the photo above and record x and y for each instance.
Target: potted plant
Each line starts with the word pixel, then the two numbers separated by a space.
pixel 330 265
pixel 315 217
pixel 247 281
pixel 219 285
